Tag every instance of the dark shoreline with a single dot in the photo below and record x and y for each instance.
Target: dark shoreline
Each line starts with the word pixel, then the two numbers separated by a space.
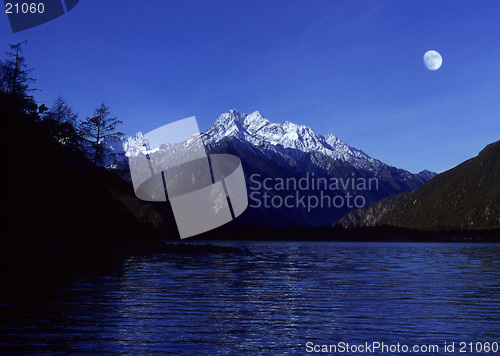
pixel 26 260
pixel 25 254
pixel 337 233
pixel 157 242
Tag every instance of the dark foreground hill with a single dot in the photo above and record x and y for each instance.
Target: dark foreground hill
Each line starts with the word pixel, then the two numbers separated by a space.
pixel 465 197
pixel 55 193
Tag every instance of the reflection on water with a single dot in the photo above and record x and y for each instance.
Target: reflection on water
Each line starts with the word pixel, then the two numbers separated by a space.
pixel 268 303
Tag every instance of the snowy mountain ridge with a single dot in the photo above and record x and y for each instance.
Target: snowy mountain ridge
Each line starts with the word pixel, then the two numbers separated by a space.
pixel 287 139
pixel 291 140
pixel 257 130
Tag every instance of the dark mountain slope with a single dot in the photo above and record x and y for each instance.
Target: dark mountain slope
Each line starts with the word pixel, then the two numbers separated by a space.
pixel 464 197
pixel 55 193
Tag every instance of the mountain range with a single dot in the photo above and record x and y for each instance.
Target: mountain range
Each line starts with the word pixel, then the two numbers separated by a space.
pixel 297 177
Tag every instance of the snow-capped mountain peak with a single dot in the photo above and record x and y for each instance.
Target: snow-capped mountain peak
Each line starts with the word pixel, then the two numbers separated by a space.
pixel 234 122
pixel 260 132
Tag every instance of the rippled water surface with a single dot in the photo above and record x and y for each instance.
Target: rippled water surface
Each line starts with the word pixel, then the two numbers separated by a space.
pixel 270 303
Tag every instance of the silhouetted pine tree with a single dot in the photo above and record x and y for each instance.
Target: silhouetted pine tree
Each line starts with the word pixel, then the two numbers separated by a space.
pixel 15 80
pixel 61 122
pixel 99 130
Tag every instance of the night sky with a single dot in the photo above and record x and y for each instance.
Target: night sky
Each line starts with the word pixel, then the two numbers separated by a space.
pixel 350 68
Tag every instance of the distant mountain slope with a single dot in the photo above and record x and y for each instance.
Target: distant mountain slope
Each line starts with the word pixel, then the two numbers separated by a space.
pixel 465 197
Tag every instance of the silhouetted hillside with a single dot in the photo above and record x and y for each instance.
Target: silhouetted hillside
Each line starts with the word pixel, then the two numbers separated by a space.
pixel 54 193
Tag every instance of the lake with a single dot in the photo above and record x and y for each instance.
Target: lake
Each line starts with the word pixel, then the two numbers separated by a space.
pixel 287 298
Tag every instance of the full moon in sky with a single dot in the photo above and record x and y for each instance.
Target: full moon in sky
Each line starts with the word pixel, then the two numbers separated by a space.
pixel 433 60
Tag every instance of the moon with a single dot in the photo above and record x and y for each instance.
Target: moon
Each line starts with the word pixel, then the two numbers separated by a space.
pixel 433 60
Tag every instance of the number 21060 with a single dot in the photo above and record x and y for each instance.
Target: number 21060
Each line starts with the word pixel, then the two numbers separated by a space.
pixel 24 8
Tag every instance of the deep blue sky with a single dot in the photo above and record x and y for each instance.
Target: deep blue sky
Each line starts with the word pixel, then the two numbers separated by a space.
pixel 350 68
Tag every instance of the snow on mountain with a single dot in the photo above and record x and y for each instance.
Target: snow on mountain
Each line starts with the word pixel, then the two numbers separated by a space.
pixel 292 140
pixel 258 131
pixel 255 130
